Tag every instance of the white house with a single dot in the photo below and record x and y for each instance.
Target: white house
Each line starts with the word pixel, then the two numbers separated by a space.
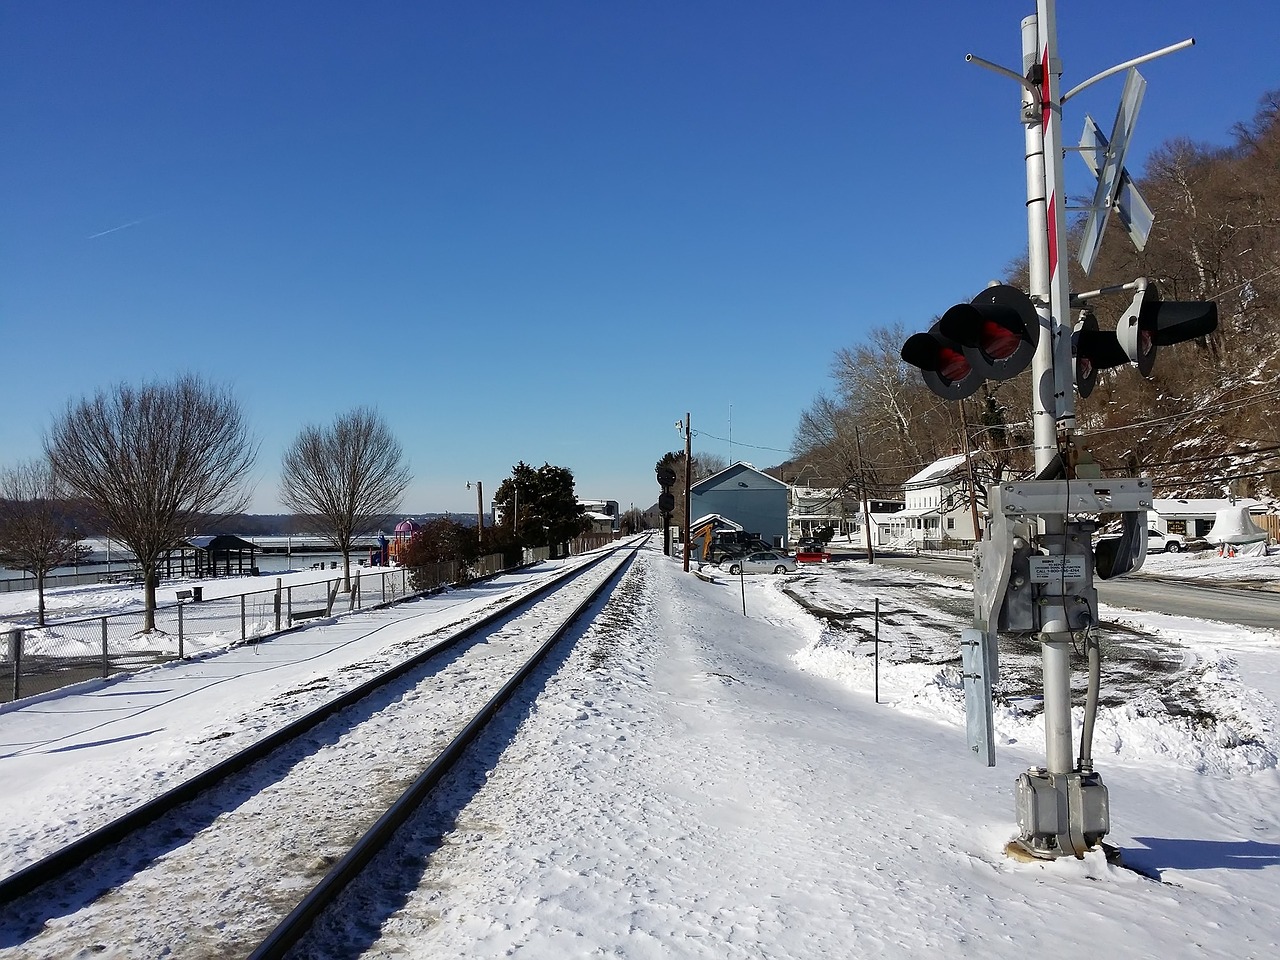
pixel 938 502
pixel 812 509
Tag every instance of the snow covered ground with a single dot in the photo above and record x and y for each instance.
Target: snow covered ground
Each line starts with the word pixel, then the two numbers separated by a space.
pixel 1206 565
pixel 698 782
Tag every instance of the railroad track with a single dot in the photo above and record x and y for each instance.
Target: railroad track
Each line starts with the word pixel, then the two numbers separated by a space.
pixel 349 774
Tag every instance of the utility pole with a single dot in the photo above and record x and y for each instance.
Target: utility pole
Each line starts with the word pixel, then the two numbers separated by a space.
pixel 688 483
pixel 973 483
pixel 862 495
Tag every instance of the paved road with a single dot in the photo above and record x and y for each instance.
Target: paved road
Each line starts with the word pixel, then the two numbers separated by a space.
pixel 1228 604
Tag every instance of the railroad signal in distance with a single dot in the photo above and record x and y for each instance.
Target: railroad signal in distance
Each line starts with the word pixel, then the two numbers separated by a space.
pixel 993 337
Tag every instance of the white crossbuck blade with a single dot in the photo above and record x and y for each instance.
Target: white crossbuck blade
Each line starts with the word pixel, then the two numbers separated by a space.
pixel 1115 188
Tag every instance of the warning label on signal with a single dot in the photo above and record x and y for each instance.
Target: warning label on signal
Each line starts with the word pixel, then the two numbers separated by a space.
pixel 1056 569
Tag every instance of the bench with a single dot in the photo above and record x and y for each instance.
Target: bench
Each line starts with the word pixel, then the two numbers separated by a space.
pixel 184 595
pixel 295 615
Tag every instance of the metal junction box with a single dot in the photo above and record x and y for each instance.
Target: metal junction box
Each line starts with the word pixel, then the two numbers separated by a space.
pixel 1062 813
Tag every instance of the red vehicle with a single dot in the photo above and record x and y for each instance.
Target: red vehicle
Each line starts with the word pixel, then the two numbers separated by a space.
pixel 811 556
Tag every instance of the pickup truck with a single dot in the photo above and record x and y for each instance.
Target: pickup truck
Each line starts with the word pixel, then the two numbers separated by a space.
pixel 1157 542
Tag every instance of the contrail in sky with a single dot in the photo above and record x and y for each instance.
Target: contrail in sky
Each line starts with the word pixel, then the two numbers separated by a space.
pixel 123 226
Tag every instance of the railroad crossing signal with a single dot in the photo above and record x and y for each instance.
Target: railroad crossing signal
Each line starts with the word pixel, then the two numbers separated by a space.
pixel 1115 188
pixel 666 503
pixel 993 337
pixel 1147 324
pixel 1034 571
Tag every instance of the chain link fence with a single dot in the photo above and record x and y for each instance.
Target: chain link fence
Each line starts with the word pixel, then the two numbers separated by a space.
pixel 34 660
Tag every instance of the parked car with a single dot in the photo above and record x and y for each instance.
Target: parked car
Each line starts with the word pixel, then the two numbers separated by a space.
pixel 1157 542
pixel 720 552
pixel 765 561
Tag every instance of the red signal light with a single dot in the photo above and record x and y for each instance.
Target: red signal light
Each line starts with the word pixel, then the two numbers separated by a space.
pixel 998 342
pixel 952 364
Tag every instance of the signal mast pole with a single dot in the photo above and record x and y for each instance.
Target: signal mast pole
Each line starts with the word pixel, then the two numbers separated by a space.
pixel 1052 377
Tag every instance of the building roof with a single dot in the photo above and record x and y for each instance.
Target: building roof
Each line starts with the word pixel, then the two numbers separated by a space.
pixel 717 519
pixel 223 541
pixel 818 493
pixel 740 467
pixel 936 471
pixel 1202 507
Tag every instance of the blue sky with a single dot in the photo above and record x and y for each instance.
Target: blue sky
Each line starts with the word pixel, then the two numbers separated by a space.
pixel 534 230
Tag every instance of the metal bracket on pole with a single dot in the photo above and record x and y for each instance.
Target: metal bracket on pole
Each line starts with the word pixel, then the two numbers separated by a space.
pixel 1023 498
pixel 977 658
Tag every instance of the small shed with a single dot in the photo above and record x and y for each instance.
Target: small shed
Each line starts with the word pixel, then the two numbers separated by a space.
pixel 1194 517
pixel 222 556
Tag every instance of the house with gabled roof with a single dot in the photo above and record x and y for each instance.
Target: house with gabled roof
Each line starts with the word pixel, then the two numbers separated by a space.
pixel 750 498
pixel 938 502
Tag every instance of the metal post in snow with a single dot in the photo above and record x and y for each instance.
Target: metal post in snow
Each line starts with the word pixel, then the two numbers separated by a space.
pixel 243 631
pixel 106 662
pixel 104 633
pixel 15 657
pixel 279 581
pixel 877 656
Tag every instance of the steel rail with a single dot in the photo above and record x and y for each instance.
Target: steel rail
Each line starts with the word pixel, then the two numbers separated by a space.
pixel 295 926
pixel 66 859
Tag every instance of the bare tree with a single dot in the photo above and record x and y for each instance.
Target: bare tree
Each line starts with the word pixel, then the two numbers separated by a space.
pixel 155 460
pixel 345 479
pixel 36 533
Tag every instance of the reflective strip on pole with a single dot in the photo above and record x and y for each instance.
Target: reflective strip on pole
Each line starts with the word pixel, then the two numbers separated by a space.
pixel 1056 212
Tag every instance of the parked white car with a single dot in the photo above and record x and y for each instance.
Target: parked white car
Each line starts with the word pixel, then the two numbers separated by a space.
pixel 766 561
pixel 1158 542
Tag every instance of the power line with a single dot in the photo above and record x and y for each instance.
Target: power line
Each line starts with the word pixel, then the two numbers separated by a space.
pixel 739 443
